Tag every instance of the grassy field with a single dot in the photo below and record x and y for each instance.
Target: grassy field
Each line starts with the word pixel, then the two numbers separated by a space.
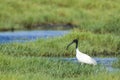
pixel 101 16
pixel 97 26
pixel 32 68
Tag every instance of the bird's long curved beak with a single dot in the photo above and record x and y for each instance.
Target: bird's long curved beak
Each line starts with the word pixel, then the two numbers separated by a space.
pixel 69 45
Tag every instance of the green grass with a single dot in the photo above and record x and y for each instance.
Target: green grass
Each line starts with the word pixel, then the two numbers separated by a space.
pixel 52 67
pixel 97 28
pixel 89 43
pixel 40 76
pixel 41 68
pixel 101 16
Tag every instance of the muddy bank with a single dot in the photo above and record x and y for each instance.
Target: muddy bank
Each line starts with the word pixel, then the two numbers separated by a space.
pixel 39 26
pixel 50 26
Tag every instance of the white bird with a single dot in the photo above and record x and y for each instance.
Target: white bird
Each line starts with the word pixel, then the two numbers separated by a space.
pixel 81 57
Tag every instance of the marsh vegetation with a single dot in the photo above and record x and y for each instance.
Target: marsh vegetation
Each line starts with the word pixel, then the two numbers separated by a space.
pixel 95 23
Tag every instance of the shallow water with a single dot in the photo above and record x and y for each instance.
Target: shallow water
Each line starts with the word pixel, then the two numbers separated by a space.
pixel 105 62
pixel 22 36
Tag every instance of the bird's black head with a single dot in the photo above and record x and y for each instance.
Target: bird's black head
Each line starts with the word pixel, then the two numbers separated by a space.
pixel 74 41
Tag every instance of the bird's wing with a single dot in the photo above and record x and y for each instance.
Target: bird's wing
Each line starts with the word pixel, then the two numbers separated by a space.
pixel 85 58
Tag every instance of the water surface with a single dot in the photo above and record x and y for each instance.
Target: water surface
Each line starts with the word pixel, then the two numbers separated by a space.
pixel 21 36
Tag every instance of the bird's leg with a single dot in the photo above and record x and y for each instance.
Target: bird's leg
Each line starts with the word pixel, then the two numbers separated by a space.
pixel 82 63
pixel 78 67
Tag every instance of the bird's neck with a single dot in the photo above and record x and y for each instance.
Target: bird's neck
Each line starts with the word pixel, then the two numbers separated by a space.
pixel 76 44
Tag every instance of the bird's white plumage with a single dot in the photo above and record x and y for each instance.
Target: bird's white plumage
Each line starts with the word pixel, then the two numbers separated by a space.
pixel 84 58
